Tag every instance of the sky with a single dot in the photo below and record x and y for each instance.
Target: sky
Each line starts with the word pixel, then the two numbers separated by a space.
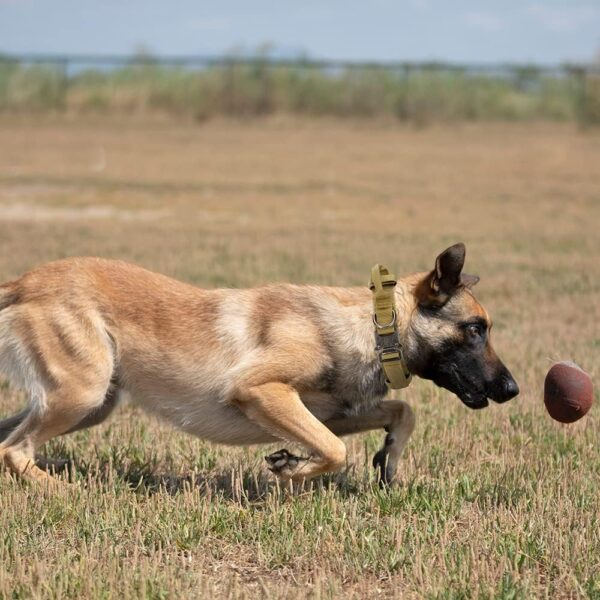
pixel 545 32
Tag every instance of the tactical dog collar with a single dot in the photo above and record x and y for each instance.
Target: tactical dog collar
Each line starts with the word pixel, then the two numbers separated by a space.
pixel 388 346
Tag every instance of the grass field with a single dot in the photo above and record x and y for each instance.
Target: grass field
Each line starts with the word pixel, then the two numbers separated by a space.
pixel 502 503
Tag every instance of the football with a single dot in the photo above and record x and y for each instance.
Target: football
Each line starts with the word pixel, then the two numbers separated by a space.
pixel 568 392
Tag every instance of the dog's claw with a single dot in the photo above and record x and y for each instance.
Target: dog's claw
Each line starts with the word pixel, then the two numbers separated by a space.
pixel 282 463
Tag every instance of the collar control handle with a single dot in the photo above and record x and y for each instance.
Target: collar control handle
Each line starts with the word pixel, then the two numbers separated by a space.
pixel 388 346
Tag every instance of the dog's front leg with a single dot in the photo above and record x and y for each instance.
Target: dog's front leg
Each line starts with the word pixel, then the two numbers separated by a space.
pixel 397 418
pixel 278 409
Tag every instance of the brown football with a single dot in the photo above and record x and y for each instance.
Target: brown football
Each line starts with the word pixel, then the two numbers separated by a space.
pixel 568 392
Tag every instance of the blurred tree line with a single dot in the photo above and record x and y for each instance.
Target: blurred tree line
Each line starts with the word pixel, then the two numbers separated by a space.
pixel 258 85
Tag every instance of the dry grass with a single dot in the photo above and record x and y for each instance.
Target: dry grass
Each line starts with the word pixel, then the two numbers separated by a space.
pixel 496 504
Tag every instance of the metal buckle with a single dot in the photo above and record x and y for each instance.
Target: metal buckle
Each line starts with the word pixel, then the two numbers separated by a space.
pixel 388 344
pixel 397 355
pixel 384 326
pixel 393 347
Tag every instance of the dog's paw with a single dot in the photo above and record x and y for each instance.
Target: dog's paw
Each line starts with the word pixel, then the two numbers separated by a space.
pixel 283 464
pixel 380 463
pixel 385 472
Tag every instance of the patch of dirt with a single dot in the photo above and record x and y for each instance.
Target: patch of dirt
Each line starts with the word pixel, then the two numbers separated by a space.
pixel 22 211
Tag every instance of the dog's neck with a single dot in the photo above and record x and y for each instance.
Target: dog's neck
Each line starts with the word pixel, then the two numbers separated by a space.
pixel 406 303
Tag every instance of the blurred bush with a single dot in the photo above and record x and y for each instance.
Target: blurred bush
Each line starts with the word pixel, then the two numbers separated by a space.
pixel 259 87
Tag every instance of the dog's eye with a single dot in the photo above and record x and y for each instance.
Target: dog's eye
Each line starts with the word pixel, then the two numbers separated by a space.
pixel 474 330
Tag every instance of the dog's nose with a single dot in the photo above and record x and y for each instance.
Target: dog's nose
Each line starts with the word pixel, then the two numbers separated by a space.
pixel 511 389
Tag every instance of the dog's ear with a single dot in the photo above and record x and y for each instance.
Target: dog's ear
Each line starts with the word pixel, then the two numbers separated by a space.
pixel 437 287
pixel 469 280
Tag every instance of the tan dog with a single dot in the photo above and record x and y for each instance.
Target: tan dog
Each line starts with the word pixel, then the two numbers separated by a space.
pixel 280 362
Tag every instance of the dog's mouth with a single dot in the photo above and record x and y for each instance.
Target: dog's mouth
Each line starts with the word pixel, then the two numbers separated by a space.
pixel 474 401
pixel 470 392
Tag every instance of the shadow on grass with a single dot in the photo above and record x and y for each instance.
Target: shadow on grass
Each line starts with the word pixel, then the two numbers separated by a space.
pixel 236 485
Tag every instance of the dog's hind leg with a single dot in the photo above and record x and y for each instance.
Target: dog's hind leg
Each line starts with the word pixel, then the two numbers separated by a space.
pixel 65 386
pixel 99 414
pixel 65 407
pixel 397 418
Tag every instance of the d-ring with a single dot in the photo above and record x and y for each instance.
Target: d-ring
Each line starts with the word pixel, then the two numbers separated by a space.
pixel 390 324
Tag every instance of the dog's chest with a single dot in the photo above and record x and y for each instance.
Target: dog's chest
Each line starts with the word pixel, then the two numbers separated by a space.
pixel 357 385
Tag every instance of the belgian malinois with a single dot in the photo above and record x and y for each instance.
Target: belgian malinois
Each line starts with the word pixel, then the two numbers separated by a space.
pixel 279 362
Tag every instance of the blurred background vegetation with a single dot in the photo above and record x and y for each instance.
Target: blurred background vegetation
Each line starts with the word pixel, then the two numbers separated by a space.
pixel 258 85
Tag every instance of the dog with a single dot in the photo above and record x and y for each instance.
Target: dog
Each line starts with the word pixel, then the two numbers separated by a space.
pixel 236 366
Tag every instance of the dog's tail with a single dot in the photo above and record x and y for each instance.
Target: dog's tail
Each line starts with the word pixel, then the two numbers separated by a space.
pixel 9 364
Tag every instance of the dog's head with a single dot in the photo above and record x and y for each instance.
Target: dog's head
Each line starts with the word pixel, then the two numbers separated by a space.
pixel 449 335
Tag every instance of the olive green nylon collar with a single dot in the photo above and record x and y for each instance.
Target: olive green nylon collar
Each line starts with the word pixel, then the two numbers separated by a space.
pixel 389 348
